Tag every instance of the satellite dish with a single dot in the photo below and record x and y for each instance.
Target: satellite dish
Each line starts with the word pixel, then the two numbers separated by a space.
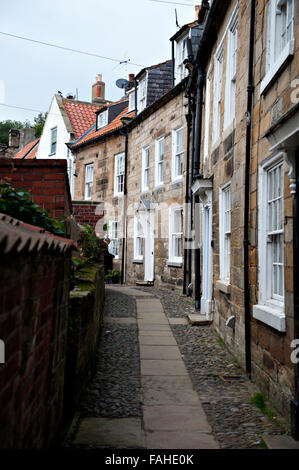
pixel 122 83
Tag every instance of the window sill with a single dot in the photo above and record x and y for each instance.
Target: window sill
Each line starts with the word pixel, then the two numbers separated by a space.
pixel 160 187
pixel 137 261
pixel 51 154
pixel 223 286
pixel 174 264
pixel 276 68
pixel 271 316
pixel 176 182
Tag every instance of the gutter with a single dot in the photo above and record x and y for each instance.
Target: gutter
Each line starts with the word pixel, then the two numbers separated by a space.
pixel 246 243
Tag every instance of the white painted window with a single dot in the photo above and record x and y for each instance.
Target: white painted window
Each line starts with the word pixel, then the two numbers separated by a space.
pixel 231 71
pixel 271 244
pixel 217 95
pixel 102 119
pixel 141 92
pixel 159 167
pixel 207 115
pixel 132 100
pixel 138 238
pixel 113 235
pixel 176 234
pixel 280 37
pixel 225 231
pixel 145 169
pixel 119 173
pixel 53 141
pixel 177 153
pixel 181 55
pixel 88 181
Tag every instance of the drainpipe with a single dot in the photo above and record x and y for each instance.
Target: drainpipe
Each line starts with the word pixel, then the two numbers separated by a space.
pixel 123 259
pixel 135 93
pixel 191 193
pixel 172 65
pixel 200 83
pixel 250 89
pixel 187 214
pixel 295 400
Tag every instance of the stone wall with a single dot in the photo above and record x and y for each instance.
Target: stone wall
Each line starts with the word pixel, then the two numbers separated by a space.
pixel 85 314
pixel 159 123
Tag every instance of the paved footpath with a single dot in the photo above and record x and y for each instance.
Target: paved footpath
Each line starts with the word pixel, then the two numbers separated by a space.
pixel 171 414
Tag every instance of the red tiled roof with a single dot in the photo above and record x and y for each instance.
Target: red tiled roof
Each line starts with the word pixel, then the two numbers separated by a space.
pixel 29 151
pixel 82 115
pixel 115 124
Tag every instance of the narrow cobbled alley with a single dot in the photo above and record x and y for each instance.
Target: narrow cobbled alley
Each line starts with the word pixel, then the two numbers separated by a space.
pixel 162 383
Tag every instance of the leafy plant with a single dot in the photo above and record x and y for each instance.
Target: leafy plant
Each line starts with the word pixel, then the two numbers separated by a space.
pixel 113 274
pixel 18 203
pixel 91 244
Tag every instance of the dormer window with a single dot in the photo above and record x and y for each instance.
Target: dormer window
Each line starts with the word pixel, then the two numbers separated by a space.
pixel 102 119
pixel 181 55
pixel 142 89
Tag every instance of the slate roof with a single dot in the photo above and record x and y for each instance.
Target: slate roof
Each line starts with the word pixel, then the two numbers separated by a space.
pixel 18 236
pixel 81 115
pixel 29 151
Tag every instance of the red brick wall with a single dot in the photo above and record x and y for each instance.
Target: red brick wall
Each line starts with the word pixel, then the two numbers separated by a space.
pixel 34 294
pixel 86 212
pixel 45 179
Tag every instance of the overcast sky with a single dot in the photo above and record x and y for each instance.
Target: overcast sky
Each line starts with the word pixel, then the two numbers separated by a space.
pixel 31 73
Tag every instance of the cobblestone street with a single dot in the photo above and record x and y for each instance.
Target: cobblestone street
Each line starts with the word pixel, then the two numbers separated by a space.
pixel 142 395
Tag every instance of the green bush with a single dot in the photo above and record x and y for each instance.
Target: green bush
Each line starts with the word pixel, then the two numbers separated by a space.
pixel 18 203
pixel 91 243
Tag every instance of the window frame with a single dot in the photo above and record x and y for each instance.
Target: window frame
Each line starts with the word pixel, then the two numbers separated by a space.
pixel 275 63
pixel 225 232
pixel 207 114
pixel 142 98
pixel 180 69
pixel 175 154
pixel 52 141
pixel 231 71
pixel 104 115
pixel 158 162
pixel 117 157
pixel 138 235
pixel 217 91
pixel 88 184
pixel 172 256
pixel 145 150
pixel 270 307
pixel 114 240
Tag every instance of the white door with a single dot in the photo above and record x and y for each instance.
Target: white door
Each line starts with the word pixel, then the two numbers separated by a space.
pixel 207 275
pixel 149 244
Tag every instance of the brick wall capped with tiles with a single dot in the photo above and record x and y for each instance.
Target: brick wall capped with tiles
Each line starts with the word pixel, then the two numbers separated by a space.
pixel 45 179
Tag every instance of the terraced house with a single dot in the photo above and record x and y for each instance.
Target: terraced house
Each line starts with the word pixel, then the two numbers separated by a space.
pixel 245 82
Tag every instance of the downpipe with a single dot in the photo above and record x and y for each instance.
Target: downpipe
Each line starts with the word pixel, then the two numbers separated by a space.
pixel 124 245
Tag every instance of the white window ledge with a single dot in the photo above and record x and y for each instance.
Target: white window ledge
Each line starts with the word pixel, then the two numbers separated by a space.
pixel 223 286
pixel 275 68
pixel 137 261
pixel 175 264
pixel 270 316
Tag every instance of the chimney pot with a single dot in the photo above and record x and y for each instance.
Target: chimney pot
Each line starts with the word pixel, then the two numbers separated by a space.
pixel 197 8
pixel 98 91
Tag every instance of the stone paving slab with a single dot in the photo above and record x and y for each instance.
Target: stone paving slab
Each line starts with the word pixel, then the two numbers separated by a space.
pixel 126 320
pixel 152 319
pixel 159 352
pixel 162 367
pixel 174 418
pixel 144 325
pixel 159 340
pixel 179 440
pixel 156 332
pixel 104 432
pixel 167 390
pixel 280 442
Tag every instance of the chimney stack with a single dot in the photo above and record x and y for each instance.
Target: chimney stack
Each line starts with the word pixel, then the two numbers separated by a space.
pixel 131 77
pixel 14 138
pixel 98 91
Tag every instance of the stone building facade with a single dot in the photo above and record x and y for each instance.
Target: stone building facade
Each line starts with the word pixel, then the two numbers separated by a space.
pixel 264 345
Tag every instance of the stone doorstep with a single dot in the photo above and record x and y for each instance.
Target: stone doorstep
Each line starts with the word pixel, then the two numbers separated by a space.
pixel 280 442
pixel 198 319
